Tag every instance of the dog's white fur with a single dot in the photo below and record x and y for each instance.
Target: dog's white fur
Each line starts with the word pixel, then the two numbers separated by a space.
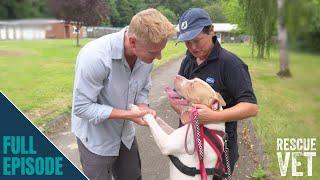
pixel 171 142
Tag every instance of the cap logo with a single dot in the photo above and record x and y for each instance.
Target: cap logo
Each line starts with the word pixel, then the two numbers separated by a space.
pixel 184 25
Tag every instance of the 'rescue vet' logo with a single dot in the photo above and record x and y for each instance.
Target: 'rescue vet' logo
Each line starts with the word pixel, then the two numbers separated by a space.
pixel 293 150
pixel 184 25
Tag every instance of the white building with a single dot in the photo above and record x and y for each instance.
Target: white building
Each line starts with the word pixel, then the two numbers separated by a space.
pixel 26 28
pixel 221 29
pixel 224 29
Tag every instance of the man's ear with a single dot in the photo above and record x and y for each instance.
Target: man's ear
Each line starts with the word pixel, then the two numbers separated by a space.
pixel 211 32
pixel 132 41
pixel 220 99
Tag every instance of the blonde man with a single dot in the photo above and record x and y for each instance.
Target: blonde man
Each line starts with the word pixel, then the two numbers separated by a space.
pixel 113 72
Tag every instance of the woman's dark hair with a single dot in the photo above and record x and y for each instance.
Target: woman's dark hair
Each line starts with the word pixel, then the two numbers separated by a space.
pixel 206 29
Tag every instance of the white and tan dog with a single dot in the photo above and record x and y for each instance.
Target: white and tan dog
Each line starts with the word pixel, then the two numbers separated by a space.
pixel 172 141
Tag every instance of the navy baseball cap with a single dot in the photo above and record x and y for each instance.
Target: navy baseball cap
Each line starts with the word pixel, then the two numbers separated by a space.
pixel 192 22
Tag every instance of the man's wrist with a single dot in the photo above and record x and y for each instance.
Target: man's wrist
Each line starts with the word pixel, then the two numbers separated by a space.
pixel 143 105
pixel 121 114
pixel 128 115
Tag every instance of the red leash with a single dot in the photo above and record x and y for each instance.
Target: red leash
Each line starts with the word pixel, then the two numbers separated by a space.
pixel 198 135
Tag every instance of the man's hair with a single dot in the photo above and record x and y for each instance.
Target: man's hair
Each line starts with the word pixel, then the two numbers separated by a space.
pixel 151 26
pixel 206 29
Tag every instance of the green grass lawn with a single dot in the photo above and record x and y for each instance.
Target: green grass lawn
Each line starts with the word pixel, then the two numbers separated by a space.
pixel 38 75
pixel 287 107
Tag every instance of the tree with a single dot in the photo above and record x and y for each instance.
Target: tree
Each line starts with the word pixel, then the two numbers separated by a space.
pixel 260 19
pixel 114 14
pixel 172 17
pixel 233 12
pixel 13 9
pixel 80 12
pixel 300 19
pixel 216 13
pixel 124 10
pixel 303 24
pixel 179 6
pixel 283 44
pixel 138 5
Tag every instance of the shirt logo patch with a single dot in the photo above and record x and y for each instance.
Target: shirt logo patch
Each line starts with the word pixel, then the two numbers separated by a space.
pixel 210 80
pixel 184 25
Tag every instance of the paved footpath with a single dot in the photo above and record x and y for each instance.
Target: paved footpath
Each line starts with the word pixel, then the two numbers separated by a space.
pixel 154 165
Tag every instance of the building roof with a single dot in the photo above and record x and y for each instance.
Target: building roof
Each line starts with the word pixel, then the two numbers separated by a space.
pixel 220 27
pixel 224 27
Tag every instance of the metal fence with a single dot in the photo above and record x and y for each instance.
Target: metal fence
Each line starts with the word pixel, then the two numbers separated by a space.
pixel 95 32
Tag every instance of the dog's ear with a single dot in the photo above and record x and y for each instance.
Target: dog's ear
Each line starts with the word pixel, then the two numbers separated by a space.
pixel 220 99
pixel 214 104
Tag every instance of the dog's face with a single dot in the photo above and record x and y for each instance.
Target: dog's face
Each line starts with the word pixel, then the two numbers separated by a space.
pixel 199 92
